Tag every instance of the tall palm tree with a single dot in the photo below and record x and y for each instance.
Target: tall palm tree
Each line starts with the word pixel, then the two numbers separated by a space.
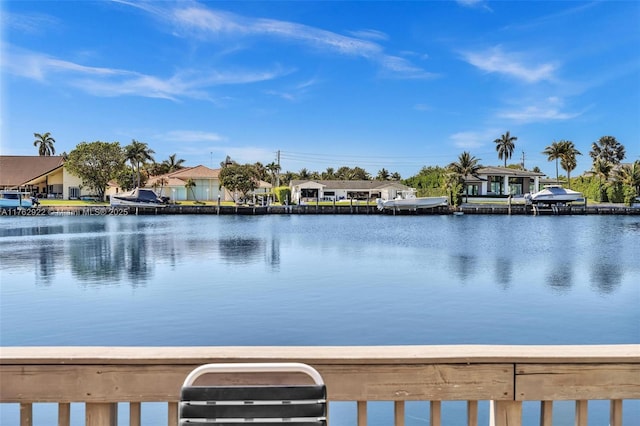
pixel 505 145
pixel 609 149
pixel 383 174
pixel 555 152
pixel 273 169
pixel 467 165
pixel 189 187
pixel 568 158
pixel 602 169
pixel 171 165
pixel 138 153
pixel 44 142
pixel 629 175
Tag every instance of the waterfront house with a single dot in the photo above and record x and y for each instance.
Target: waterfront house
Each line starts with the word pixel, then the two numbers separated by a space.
pixel 496 181
pixel 44 176
pixel 337 190
pixel 173 185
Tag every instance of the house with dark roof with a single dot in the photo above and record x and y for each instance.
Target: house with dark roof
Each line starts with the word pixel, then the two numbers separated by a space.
pixel 45 176
pixel 502 181
pixel 337 190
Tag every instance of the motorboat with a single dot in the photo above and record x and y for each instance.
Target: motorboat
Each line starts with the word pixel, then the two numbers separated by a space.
pixel 407 200
pixel 554 194
pixel 139 197
pixel 13 199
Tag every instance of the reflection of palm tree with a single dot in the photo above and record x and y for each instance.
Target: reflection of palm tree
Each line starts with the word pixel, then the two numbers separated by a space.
pixel 189 187
pixel 505 146
pixel 44 142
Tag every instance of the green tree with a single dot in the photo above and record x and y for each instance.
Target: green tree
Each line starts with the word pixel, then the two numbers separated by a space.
pixel 608 149
pixel 138 153
pixel 273 170
pixel 568 158
pixel 602 169
pixel 467 165
pixel 555 152
pixel 629 176
pixel 239 179
pixel 329 174
pixel 44 142
pixel 96 163
pixel 505 145
pixel 173 164
pixel 189 187
pixel 396 176
pixel 383 174
pixel 429 181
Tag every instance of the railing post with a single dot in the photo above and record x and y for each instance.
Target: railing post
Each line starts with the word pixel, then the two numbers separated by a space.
pixel 615 414
pixel 64 414
pixel 101 414
pixel 508 413
pixel 362 413
pixel 26 414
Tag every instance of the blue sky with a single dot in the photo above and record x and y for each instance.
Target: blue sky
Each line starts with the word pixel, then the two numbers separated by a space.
pixel 399 85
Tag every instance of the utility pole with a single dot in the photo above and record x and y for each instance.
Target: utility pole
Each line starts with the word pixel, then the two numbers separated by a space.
pixel 278 170
pixel 522 161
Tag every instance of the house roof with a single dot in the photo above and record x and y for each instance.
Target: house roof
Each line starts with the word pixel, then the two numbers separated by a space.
pixel 17 170
pixel 351 184
pixel 179 177
pixel 502 171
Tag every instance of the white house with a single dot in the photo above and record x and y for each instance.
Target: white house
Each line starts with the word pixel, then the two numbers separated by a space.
pixel 503 181
pixel 336 190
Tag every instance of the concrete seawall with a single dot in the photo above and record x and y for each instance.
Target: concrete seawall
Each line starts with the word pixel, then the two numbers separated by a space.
pixel 322 209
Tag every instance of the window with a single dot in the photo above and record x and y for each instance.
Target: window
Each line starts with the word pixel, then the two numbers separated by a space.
pixel 74 192
pixel 495 184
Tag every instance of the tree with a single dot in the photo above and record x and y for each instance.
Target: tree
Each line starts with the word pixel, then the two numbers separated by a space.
pixel 629 176
pixel 44 142
pixel 602 169
pixel 608 149
pixel 189 187
pixel 239 179
pixel 467 165
pixel 171 165
pixel 273 169
pixel 555 152
pixel 138 153
pixel 396 176
pixel 568 158
pixel 96 163
pixel 383 174
pixel 505 146
pixel 329 174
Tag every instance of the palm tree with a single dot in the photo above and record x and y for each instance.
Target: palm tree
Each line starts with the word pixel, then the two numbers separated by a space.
pixel 609 149
pixel 138 153
pixel 273 169
pixel 629 175
pixel 602 169
pixel 161 183
pixel 555 151
pixel 189 187
pixel 329 174
pixel 383 174
pixel 171 165
pixel 44 142
pixel 505 146
pixel 568 158
pixel 467 165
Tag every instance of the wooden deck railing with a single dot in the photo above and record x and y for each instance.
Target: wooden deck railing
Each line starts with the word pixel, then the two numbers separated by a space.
pixel 101 377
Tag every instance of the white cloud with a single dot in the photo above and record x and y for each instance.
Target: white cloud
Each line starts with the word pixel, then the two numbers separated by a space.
pixel 470 139
pixel 549 109
pixel 495 60
pixel 190 136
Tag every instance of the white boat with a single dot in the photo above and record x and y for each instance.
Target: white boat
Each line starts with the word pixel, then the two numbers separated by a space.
pixel 407 200
pixel 12 199
pixel 554 194
pixel 139 197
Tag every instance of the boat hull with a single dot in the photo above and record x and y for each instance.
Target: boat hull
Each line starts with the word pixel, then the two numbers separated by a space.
pixel 412 204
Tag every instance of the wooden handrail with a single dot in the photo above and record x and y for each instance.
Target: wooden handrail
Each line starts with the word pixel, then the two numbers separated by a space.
pixel 508 375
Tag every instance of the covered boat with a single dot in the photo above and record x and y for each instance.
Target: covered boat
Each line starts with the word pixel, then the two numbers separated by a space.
pixel 555 194
pixel 12 199
pixel 139 197
pixel 407 200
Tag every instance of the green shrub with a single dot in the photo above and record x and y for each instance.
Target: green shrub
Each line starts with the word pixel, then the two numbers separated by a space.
pixel 282 194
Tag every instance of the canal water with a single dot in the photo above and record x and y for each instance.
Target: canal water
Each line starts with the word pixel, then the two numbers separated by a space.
pixel 322 280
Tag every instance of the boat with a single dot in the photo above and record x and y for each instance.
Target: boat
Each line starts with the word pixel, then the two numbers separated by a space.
pixel 554 194
pixel 407 200
pixel 13 199
pixel 139 197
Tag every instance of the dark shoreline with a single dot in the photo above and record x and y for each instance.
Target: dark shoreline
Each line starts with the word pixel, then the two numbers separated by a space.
pixel 319 209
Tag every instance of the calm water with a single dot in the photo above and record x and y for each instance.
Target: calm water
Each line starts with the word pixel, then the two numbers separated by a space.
pixel 319 280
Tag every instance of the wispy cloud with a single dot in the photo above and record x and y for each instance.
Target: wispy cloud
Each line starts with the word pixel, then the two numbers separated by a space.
pixel 190 136
pixel 30 24
pixel 512 64
pixel 548 110
pixel 112 82
pixel 472 139
pixel 191 19
pixel 474 4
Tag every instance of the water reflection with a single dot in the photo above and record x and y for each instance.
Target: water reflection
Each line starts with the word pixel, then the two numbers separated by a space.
pixel 559 277
pixel 241 249
pixel 606 278
pixel 463 265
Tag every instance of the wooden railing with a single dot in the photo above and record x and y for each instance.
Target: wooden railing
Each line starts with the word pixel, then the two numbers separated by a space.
pixel 101 377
